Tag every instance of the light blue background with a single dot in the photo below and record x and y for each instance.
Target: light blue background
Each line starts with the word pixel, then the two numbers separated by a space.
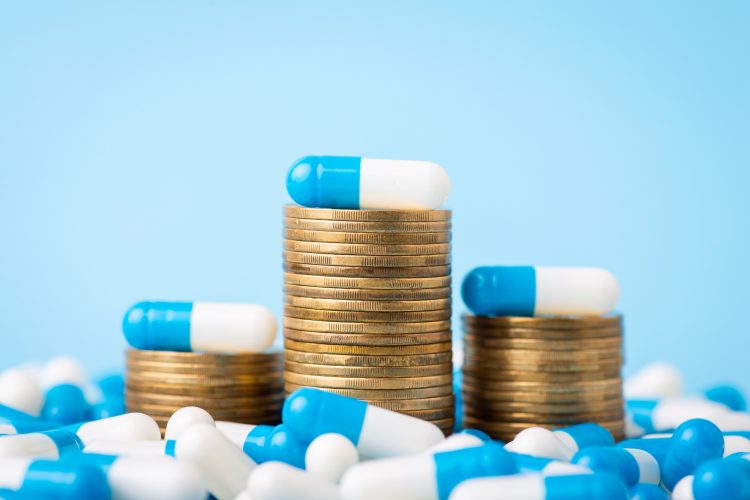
pixel 144 145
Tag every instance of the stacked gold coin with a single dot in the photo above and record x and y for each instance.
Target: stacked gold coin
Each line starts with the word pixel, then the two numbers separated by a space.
pixel 368 307
pixel 237 387
pixel 551 372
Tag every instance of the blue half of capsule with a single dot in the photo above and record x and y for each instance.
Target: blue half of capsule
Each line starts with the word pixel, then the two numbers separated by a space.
pixel 325 181
pixel 163 326
pixel 500 290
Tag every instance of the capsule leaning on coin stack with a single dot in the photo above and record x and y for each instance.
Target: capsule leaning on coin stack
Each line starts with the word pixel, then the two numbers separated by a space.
pixel 367 307
pixel 240 381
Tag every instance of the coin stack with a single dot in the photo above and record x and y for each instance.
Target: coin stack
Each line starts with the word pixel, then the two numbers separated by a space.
pixel 550 371
pixel 367 307
pixel 237 387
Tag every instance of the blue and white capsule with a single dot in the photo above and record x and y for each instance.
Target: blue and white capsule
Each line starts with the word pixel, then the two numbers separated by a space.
pixel 528 464
pixel 560 444
pixel 538 487
pixel 64 379
pixel 28 478
pixel 632 466
pixel 25 426
pixel 424 476
pixel 728 479
pixel 376 432
pixel 199 327
pixel 539 291
pixel 353 182
pixel 264 443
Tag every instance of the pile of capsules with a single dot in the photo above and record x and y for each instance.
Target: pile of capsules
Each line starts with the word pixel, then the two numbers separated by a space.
pixel 67 439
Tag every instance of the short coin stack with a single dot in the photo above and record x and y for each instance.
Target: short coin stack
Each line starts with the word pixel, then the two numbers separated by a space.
pixel 368 307
pixel 549 371
pixel 238 387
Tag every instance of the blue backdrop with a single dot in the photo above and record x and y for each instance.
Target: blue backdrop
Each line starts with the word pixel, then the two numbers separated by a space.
pixel 144 145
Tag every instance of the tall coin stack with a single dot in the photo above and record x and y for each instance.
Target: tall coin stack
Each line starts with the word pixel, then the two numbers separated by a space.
pixel 367 307
pixel 551 371
pixel 237 387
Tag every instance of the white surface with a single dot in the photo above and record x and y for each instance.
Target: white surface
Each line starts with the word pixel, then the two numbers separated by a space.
pixel 127 427
pixel 402 184
pixel 455 442
pixel 736 444
pixel 63 370
pixel 154 478
pixel 654 381
pixel 575 290
pixel 329 456
pixel 21 391
pixel 648 467
pixel 541 442
pixel 231 327
pixel 235 432
pixel 387 433
pixel 683 490
pixel 223 467
pixel 33 445
pixel 13 472
pixel 401 478
pixel 279 481
pixel 517 487
pixel 185 418
pixel 141 448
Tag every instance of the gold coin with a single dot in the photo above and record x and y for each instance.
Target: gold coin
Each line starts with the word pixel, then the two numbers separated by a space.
pixel 207 402
pixel 365 316
pixel 367 215
pixel 415 404
pixel 324 259
pixel 360 249
pixel 373 395
pixel 294 293
pixel 545 345
pixel 431 415
pixel 543 386
pixel 216 413
pixel 204 380
pixel 445 424
pixel 507 430
pixel 367 383
pixel 363 339
pixel 524 395
pixel 588 367
pixel 510 416
pixel 201 391
pixel 481 405
pixel 397 350
pixel 185 368
pixel 375 361
pixel 206 359
pixel 368 238
pixel 541 335
pixel 492 373
pixel 210 407
pixel 366 227
pixel 351 327
pixel 368 272
pixel 599 355
pixel 370 305
pixel 409 284
pixel 545 322
pixel 369 371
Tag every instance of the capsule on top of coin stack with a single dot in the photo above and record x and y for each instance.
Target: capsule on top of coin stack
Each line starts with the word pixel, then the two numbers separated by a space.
pixel 367 292
pixel 541 350
pixel 232 378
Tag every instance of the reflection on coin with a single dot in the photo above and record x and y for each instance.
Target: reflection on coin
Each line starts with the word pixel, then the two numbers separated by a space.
pixel 361 339
pixel 368 238
pixel 295 293
pixel 196 369
pixel 367 383
pixel 552 322
pixel 352 327
pixel 366 227
pixel 378 360
pixel 207 359
pixel 367 283
pixel 538 387
pixel 203 380
pixel 535 366
pixel 478 405
pixel 363 271
pixel 368 371
pixel 545 357
pixel 414 404
pixel 380 394
pixel 231 390
pixel 360 249
pixel 324 259
pixel 543 334
pixel 542 418
pixel 614 343
pixel 489 372
pixel 367 350
pixel 370 305
pixel 366 316
pixel 366 215
pixel 472 393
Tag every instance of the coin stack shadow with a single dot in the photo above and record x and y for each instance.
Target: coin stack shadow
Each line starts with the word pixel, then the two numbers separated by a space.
pixel 244 388
pixel 550 372
pixel 367 307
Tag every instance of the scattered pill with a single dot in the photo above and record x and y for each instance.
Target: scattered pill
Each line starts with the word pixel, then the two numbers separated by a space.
pixel 329 456
pixel 423 476
pixel 693 443
pixel 630 465
pixel 309 413
pixel 223 467
pixel 280 481
pixel 538 291
pixel 654 381
pixel 728 395
pixel 185 418
pixel 20 391
pixel 457 441
pixel 135 448
pixel 727 479
pixel 646 491
pixel 200 326
pixel 264 443
pixel 28 478
pixel 127 427
pixel 547 466
pixel 47 444
pixel 560 444
pixel 63 380
pixel 649 416
pixel 355 182
pixel 24 426
pixel 538 487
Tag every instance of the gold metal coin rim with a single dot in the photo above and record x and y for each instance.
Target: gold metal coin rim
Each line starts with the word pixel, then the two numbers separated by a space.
pixel 545 322
pixel 367 294
pixel 323 225
pixel 361 360
pixel 368 238
pixel 325 247
pixel 312 347
pixel 366 316
pixel 366 283
pixel 415 305
pixel 374 395
pixel 210 359
pixel 401 327
pixel 366 339
pixel 368 272
pixel 368 371
pixel 397 261
pixel 368 382
pixel 367 215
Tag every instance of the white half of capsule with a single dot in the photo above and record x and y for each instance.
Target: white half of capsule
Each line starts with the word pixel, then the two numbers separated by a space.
pixel 402 184
pixel 330 455
pixel 185 418
pixel 280 481
pixel 399 478
pixel 455 442
pixel 648 468
pixel 387 433
pixel 653 381
pixel 669 413
pixel 218 327
pixel 575 291
pixel 21 391
pixel 518 487
pixel 161 478
pixel 235 431
pixel 13 472
pixel 736 444
pixel 32 445
pixel 127 427
pixel 541 442
pixel 683 490
pixel 140 448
